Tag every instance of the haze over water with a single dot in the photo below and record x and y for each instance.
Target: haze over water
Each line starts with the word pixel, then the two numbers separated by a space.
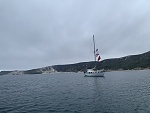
pixel 117 92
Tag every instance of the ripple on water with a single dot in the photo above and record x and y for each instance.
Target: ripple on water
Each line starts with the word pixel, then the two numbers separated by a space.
pixel 122 91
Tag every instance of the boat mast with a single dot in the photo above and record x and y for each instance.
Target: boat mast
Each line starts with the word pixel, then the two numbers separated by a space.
pixel 94 48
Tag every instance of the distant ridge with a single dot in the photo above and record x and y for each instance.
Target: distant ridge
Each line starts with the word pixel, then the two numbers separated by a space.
pixel 132 62
pixel 141 61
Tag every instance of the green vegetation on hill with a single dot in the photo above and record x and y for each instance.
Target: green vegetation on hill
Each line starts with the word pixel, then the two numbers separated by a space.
pixel 126 63
pixel 141 61
pixel 33 71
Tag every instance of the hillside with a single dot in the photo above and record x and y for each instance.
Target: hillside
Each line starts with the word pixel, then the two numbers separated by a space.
pixel 141 61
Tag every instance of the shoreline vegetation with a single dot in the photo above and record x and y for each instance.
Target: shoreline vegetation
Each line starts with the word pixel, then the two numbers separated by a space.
pixel 132 62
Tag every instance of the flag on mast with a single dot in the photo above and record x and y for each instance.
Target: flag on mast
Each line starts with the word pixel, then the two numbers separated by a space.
pixel 98 58
pixel 97 55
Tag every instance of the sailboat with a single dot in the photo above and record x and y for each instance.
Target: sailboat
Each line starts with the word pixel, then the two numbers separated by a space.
pixel 92 72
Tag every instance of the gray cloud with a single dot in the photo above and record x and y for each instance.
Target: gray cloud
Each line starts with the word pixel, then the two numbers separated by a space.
pixel 37 33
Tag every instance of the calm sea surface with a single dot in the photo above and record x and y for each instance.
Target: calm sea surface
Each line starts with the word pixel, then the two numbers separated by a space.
pixel 117 92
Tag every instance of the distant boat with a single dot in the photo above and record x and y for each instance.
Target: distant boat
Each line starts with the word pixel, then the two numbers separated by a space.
pixel 93 72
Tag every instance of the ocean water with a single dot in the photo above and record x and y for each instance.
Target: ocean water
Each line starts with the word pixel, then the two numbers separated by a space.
pixel 117 92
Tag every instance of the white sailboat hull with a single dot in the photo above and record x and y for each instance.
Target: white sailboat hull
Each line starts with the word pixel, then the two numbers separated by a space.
pixel 91 73
pixel 101 74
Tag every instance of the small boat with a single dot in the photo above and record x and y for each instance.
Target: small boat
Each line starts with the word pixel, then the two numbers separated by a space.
pixel 93 72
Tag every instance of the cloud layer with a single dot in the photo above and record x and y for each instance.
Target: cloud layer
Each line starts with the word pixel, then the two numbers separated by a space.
pixel 37 33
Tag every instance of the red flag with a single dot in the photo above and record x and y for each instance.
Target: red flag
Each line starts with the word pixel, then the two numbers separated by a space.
pixel 99 57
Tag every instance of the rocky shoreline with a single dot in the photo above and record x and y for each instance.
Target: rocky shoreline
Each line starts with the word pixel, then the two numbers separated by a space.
pixel 17 72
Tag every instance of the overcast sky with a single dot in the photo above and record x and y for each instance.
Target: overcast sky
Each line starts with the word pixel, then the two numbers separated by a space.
pixel 39 33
